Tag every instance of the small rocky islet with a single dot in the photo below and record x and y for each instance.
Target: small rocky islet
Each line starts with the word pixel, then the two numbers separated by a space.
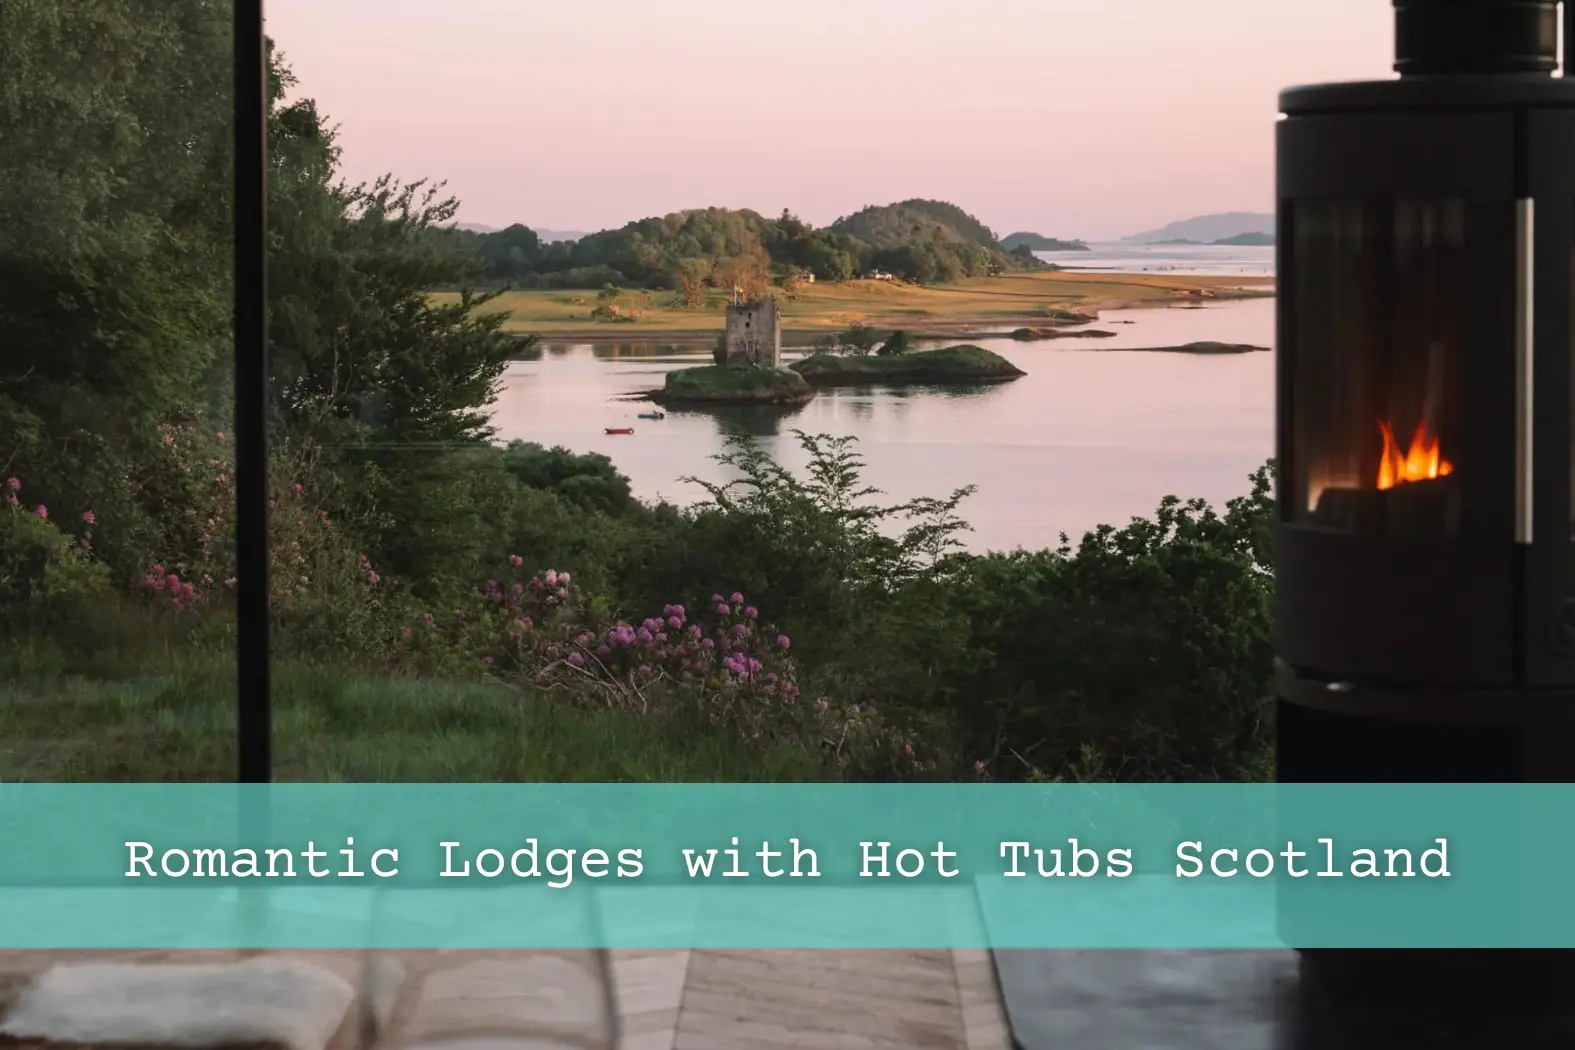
pixel 797 383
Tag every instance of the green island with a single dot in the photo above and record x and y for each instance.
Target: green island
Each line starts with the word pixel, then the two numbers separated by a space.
pixel 1204 347
pixel 1247 240
pixel 1038 242
pixel 722 385
pixel 950 365
pixel 1029 335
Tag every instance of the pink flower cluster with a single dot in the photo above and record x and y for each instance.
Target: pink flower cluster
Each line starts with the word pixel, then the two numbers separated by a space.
pixel 684 647
pixel 168 585
pixel 13 485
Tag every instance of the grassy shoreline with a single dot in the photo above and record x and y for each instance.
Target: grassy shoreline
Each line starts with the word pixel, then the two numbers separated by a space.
pixel 981 308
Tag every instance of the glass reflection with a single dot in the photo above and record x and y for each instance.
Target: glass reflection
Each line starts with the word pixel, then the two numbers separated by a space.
pixel 117 519
pixel 1381 286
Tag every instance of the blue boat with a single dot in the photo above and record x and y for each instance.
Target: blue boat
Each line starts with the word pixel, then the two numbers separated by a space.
pixel 653 415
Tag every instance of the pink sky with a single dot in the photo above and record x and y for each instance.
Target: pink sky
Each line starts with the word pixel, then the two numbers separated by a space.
pixel 1073 118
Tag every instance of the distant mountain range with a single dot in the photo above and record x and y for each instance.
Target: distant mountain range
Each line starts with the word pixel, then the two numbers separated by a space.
pixel 552 236
pixel 547 236
pixel 1207 229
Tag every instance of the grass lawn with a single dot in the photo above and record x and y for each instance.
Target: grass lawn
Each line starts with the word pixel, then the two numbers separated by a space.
pixel 979 303
pixel 337 725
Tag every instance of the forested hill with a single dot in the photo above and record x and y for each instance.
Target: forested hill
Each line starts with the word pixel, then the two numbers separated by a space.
pixel 926 241
pixel 915 221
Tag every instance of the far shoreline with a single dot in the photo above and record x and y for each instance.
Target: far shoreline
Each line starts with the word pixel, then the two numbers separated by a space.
pixel 995 326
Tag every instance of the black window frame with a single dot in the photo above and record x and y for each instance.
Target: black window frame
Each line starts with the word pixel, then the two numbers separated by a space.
pixel 254 731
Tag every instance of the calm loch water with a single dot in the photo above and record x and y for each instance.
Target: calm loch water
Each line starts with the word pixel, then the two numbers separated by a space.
pixel 1088 436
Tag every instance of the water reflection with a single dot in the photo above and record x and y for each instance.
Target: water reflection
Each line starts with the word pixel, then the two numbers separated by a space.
pixel 756 421
pixel 686 350
pixel 1087 436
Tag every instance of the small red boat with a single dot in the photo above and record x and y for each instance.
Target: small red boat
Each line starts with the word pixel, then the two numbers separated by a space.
pixel 620 430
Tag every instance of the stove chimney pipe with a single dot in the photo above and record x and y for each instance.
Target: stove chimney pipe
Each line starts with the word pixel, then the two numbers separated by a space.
pixel 1441 37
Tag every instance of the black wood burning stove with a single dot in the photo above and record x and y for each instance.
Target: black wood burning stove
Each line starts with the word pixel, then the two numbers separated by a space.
pixel 1426 541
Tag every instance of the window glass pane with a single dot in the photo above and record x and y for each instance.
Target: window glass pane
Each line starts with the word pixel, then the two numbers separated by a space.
pixel 116 514
pixel 1380 289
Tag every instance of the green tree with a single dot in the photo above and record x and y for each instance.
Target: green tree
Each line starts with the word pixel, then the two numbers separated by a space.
pixel 115 179
pixel 354 337
pixel 897 344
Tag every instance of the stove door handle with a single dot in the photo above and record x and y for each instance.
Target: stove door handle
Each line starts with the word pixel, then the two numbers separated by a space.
pixel 1525 245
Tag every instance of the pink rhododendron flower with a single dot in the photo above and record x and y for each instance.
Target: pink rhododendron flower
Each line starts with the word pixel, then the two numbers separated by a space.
pixel 42 511
pixel 822 704
pixel 723 610
pixel 576 659
pixel 736 598
pixel 296 488
pixel 88 517
pixel 14 484
pixel 783 641
pixel 978 767
pixel 487 660
pixel 751 612
pixel 516 561
pixel 907 749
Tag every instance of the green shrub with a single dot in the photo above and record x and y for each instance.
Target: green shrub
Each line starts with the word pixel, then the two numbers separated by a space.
pixel 43 569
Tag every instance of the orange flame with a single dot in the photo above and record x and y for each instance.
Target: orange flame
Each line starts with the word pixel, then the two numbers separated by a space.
pixel 1418 463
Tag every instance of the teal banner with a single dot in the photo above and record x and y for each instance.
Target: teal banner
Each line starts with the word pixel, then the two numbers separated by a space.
pixel 775 866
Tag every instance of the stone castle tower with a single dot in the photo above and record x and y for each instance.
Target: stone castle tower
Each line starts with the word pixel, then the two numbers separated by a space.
pixel 754 334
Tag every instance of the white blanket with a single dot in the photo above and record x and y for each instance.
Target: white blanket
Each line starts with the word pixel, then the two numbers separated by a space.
pixel 265 1000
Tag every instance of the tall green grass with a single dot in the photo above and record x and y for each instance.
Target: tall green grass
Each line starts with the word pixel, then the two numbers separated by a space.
pixel 334 724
